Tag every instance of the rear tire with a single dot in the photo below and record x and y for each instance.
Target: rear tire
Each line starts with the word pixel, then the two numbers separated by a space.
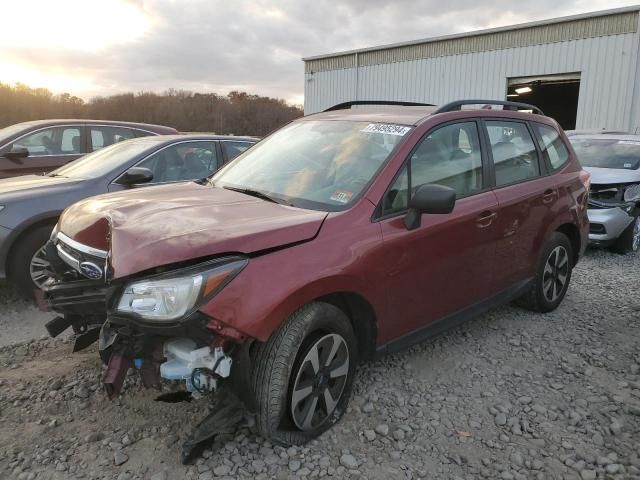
pixel 629 240
pixel 313 352
pixel 20 262
pixel 552 278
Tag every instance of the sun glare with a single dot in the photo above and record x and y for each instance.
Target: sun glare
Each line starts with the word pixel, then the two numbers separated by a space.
pixel 88 25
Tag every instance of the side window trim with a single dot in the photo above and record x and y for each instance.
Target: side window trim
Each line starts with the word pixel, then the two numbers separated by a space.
pixel 486 186
pixel 489 151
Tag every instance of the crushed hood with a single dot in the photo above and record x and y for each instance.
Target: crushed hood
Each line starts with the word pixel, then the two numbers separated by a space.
pixel 609 176
pixel 154 226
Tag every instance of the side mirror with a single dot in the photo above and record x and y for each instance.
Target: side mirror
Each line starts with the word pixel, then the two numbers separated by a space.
pixel 135 176
pixel 16 153
pixel 430 198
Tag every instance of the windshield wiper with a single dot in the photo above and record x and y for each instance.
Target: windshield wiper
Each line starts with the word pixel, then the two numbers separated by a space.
pixel 254 193
pixel 55 175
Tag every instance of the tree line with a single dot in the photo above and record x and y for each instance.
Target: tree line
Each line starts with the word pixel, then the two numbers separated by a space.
pixel 237 113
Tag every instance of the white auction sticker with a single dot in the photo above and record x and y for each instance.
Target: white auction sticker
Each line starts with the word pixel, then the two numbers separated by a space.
pixel 398 130
pixel 628 142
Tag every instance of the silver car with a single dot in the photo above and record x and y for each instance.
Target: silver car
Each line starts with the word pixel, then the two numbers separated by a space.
pixel 613 160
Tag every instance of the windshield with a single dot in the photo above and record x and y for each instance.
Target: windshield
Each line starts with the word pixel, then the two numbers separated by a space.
pixel 11 130
pixel 101 162
pixel 320 165
pixel 607 153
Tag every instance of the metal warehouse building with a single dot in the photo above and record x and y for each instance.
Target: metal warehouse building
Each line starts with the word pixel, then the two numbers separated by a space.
pixel 584 70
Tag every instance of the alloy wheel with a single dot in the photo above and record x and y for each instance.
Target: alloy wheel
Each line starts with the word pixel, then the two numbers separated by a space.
pixel 635 241
pixel 556 271
pixel 40 268
pixel 320 382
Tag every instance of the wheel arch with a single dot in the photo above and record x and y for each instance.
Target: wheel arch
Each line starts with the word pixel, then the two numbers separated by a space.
pixel 362 317
pixel 572 232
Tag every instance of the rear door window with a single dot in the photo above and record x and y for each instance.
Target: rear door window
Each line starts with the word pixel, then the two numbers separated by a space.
pixel 552 146
pixel 104 136
pixel 515 157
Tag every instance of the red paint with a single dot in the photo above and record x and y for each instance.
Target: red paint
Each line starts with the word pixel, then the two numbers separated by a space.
pixel 490 241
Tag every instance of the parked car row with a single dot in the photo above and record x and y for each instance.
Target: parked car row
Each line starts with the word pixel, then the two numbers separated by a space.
pixel 124 156
pixel 344 235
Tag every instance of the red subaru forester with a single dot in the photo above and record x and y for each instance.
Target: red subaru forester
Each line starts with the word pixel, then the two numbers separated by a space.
pixel 344 235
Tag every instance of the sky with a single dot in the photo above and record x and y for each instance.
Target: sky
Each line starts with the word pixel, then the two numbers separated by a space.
pixel 102 47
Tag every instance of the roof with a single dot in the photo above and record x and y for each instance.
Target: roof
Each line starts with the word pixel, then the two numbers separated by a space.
pixel 587 25
pixel 64 121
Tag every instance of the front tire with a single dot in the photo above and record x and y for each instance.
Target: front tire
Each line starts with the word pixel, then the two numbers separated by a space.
pixel 629 240
pixel 28 267
pixel 552 278
pixel 303 375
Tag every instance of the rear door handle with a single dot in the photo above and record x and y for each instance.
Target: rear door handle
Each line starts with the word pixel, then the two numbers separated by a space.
pixel 548 196
pixel 486 218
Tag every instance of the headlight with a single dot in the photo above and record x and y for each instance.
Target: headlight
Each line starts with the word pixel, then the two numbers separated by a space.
pixel 1 207
pixel 171 296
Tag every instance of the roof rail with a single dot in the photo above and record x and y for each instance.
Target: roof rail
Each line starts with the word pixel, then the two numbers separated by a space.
pixel 458 104
pixel 345 105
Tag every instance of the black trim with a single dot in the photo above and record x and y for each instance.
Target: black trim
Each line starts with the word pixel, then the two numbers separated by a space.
pixel 486 145
pixel 346 105
pixel 453 320
pixel 458 104
pixel 542 165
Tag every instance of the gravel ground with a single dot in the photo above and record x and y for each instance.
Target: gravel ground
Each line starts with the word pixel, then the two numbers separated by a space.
pixel 20 320
pixel 511 395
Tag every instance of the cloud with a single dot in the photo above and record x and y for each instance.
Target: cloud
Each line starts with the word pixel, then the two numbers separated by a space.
pixel 256 45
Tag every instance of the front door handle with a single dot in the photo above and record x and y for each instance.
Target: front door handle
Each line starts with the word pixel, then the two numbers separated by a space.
pixel 548 196
pixel 486 218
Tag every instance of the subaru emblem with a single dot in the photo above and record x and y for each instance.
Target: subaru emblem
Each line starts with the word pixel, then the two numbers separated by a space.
pixel 91 270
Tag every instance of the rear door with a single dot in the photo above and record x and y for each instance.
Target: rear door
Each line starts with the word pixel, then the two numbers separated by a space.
pixel 526 196
pixel 447 263
pixel 49 148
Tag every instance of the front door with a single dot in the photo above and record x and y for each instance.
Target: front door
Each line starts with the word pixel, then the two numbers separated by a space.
pixel 180 162
pixel 447 263
pixel 49 148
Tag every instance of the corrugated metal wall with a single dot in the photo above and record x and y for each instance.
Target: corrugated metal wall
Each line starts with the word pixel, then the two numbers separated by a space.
pixel 608 66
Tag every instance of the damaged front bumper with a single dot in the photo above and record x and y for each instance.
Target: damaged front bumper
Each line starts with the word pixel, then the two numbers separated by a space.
pixel 607 224
pixel 185 348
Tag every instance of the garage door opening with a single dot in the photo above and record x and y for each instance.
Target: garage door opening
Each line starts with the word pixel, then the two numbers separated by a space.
pixel 555 95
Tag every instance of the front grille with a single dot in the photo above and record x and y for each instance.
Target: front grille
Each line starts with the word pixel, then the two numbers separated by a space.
pixel 597 229
pixel 87 261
